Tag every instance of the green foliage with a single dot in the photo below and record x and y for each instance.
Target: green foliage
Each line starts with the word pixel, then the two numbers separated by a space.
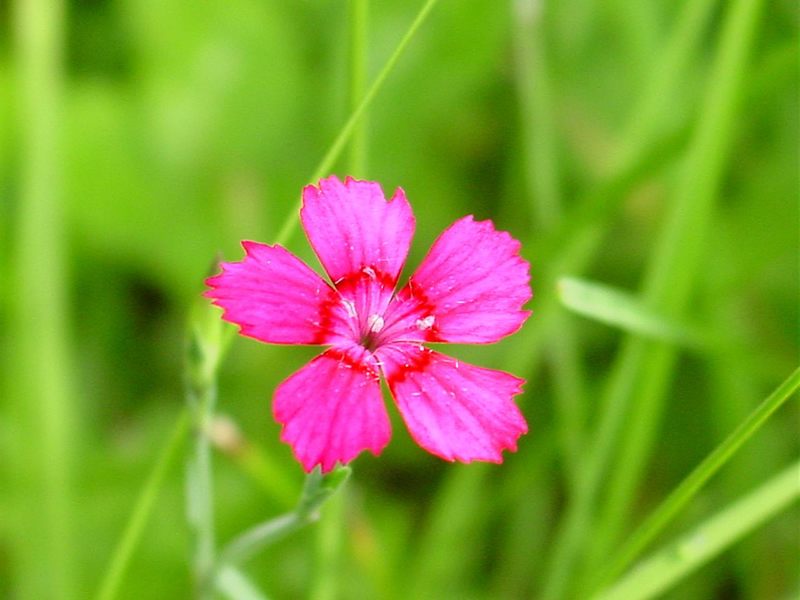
pixel 630 145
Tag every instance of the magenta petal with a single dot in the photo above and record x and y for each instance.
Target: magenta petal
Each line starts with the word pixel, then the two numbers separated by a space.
pixel 275 297
pixel 332 409
pixel 454 410
pixel 355 231
pixel 471 286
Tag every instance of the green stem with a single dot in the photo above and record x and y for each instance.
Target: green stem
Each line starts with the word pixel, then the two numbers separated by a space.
pixel 290 224
pixel 689 487
pixel 201 394
pixel 540 158
pixel 123 552
pixel 358 17
pixel 317 490
pixel 536 114
pixel 44 437
pixel 656 574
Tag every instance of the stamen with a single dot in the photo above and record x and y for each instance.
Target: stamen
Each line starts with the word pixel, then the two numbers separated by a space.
pixel 350 307
pixel 375 323
pixel 426 323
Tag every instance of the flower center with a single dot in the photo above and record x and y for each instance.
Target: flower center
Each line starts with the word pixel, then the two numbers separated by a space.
pixel 370 338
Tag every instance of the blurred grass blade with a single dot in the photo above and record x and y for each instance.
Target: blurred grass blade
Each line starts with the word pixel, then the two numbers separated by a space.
pixel 642 369
pixel 620 309
pixel 43 436
pixel 235 585
pixel 675 561
pixel 689 487
pixel 327 162
pixel 123 552
pixel 645 370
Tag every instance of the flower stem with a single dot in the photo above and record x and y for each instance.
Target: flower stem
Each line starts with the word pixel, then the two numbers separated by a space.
pixel 318 488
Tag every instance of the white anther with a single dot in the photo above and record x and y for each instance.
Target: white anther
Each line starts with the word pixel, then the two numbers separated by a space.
pixel 426 323
pixel 369 272
pixel 375 323
pixel 350 307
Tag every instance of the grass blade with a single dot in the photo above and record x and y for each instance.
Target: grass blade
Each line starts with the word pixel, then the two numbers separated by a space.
pixel 620 309
pixel 643 368
pixel 121 556
pixel 676 261
pixel 689 487
pixel 41 401
pixel 325 165
pixel 668 566
pixel 233 584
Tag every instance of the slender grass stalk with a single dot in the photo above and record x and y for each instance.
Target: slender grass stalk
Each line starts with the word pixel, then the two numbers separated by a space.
pixel 644 367
pixel 677 259
pixel 536 112
pixel 328 159
pixel 655 105
pixel 290 224
pixel 44 421
pixel 540 157
pixel 669 565
pixel 358 13
pixel 121 556
pixel 689 487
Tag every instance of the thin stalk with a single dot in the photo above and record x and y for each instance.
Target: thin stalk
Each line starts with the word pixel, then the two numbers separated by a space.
pixel 121 556
pixel 199 483
pixel 290 223
pixel 669 565
pixel 326 584
pixel 540 158
pixel 668 283
pixel 536 112
pixel 317 490
pixel 689 487
pixel 358 12
pixel 44 439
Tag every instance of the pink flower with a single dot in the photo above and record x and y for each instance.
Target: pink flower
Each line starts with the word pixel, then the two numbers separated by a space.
pixel 469 289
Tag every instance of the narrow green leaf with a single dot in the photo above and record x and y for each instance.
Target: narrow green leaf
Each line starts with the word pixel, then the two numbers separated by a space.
pixel 620 309
pixel 235 585
pixel 697 478
pixel 325 165
pixel 669 565
pixel 123 552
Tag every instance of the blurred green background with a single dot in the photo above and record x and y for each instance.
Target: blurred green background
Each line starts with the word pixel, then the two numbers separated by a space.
pixel 141 140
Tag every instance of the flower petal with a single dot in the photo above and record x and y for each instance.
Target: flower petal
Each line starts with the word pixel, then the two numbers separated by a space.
pixel 275 297
pixel 454 410
pixel 332 409
pixel 470 288
pixel 355 231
